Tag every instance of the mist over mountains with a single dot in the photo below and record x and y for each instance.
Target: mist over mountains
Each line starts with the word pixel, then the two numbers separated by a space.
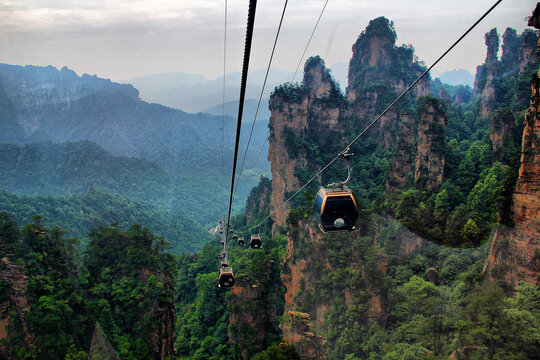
pixel 44 104
pixel 62 134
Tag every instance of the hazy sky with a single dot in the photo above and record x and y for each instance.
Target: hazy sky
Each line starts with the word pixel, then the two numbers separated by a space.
pixel 119 39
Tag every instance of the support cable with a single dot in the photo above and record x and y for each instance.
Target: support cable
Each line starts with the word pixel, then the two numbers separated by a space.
pixel 299 63
pixel 260 97
pixel 378 117
pixel 309 41
pixel 223 108
pixel 245 67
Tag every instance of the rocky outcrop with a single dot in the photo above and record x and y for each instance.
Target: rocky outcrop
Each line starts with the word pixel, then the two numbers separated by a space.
pixel 484 87
pixel 248 316
pixel 515 252
pixel 13 306
pixel 502 125
pixel 315 112
pixel 374 80
pixel 162 315
pixel 327 275
pixel 101 348
pixel 510 56
pixel 255 310
pixel 402 161
pixel 518 58
pixel 430 148
pixel 527 53
pixel 299 112
pixel 258 200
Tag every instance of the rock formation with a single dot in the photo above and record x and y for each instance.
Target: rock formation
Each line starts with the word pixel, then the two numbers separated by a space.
pixel 318 282
pixel 502 124
pixel 515 252
pixel 378 72
pixel 161 335
pixel 430 154
pixel 299 112
pixel 485 74
pixel 14 304
pixel 403 159
pixel 518 58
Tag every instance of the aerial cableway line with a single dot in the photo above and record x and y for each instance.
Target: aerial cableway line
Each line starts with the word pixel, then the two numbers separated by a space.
pixel 260 96
pixel 226 276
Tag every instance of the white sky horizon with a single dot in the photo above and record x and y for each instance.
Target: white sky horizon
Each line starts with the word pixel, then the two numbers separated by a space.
pixel 121 39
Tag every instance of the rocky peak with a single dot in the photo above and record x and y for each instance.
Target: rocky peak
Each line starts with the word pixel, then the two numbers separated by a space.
pixel 430 152
pixel 527 57
pixel 502 123
pixel 492 43
pixel 375 43
pixel 518 58
pixel 297 114
pixel 401 164
pixel 510 47
pixel 378 72
pixel 375 49
pixel 317 79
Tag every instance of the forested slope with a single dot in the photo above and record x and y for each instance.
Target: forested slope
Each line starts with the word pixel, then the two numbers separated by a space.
pixel 60 170
pixel 79 214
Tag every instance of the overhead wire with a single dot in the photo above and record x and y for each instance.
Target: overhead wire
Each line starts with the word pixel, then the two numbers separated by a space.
pixel 223 108
pixel 309 41
pixel 378 117
pixel 299 63
pixel 261 95
pixel 245 67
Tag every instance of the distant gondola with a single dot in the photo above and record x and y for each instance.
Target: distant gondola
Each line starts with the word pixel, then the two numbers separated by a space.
pixel 226 276
pixel 255 242
pixel 241 242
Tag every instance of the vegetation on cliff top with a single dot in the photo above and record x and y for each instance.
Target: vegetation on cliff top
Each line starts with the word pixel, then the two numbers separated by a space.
pixel 123 281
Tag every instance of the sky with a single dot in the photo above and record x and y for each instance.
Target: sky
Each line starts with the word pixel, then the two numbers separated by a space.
pixel 122 39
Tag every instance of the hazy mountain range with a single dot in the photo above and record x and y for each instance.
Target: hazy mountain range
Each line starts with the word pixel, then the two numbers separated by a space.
pixel 195 93
pixel 64 134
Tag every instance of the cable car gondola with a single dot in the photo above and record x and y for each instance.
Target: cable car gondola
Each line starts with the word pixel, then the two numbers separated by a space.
pixel 335 205
pixel 241 242
pixel 255 242
pixel 226 276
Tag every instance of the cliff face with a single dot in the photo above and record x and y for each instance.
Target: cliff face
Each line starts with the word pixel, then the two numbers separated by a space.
pixel 502 124
pixel 515 252
pixel 430 156
pixel 374 78
pixel 258 200
pixel 518 58
pixel 255 308
pixel 402 162
pixel 336 282
pixel 485 74
pixel 297 113
pixel 14 304
pixel 282 166
pixel 323 281
pixel 162 316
